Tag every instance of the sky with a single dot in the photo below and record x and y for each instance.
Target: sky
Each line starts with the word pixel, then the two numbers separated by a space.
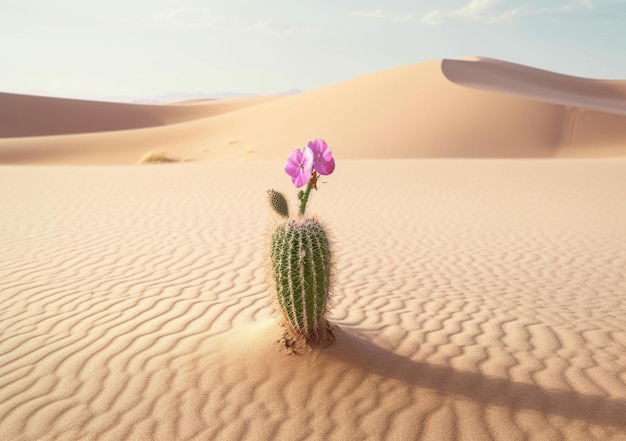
pixel 144 48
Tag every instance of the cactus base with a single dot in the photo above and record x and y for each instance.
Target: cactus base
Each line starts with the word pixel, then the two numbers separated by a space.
pixel 294 343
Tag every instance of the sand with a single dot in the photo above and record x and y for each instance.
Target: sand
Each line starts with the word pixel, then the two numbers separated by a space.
pixel 480 290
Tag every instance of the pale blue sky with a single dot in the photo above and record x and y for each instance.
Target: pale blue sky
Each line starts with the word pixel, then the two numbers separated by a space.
pixel 148 47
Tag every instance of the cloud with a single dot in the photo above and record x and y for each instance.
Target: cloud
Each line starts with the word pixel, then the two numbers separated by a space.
pixel 185 17
pixel 474 10
pixel 380 14
pixel 203 18
pixel 506 16
pixel 277 28
pixel 435 17
pixel 492 12
pixel 586 4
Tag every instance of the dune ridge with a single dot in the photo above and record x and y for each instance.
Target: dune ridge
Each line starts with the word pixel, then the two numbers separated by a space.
pixel 490 74
pixel 443 108
pixel 475 300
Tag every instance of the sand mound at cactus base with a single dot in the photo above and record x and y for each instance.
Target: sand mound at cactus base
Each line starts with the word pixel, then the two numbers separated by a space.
pixel 474 300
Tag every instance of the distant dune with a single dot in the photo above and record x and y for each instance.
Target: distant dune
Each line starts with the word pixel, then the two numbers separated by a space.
pixel 447 108
pixel 30 116
pixel 477 212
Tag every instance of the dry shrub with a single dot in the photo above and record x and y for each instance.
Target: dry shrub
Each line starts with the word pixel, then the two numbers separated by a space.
pixel 156 158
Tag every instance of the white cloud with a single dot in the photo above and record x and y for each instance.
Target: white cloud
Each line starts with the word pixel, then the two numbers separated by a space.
pixel 488 11
pixel 186 17
pixel 379 13
pixel 435 17
pixel 204 18
pixel 474 10
pixel 509 15
pixel 277 28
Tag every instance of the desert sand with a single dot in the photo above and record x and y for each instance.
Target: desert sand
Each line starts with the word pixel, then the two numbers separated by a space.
pixel 478 216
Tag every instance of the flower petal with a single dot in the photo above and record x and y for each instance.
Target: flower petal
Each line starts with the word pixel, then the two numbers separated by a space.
pixel 300 166
pixel 292 168
pixel 301 179
pixel 323 161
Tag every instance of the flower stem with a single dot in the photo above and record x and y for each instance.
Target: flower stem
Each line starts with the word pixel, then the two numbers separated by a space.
pixel 304 197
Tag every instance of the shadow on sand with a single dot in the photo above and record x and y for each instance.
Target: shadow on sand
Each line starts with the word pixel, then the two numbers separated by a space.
pixel 361 354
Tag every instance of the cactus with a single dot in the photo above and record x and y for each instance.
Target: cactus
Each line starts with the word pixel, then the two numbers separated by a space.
pixel 278 203
pixel 302 270
pixel 301 254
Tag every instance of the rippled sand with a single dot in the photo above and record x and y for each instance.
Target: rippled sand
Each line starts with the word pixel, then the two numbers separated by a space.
pixel 476 299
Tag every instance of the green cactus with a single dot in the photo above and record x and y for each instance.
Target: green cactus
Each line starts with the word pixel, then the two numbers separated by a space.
pixel 278 203
pixel 302 270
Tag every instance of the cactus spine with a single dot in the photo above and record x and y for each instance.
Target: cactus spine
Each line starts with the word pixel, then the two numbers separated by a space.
pixel 302 271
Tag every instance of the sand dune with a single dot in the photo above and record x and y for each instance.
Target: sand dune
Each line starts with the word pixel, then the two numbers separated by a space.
pixel 476 300
pixel 443 108
pixel 510 78
pixel 28 116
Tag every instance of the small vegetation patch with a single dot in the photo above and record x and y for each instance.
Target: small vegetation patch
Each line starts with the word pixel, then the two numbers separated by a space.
pixel 156 158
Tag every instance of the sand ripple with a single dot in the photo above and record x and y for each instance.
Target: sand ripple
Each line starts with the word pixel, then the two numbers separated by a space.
pixel 476 300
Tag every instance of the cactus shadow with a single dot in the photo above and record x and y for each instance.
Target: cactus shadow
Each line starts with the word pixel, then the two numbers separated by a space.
pixel 362 354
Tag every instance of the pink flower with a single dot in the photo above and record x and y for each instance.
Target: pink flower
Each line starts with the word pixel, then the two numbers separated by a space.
pixel 300 166
pixel 323 160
